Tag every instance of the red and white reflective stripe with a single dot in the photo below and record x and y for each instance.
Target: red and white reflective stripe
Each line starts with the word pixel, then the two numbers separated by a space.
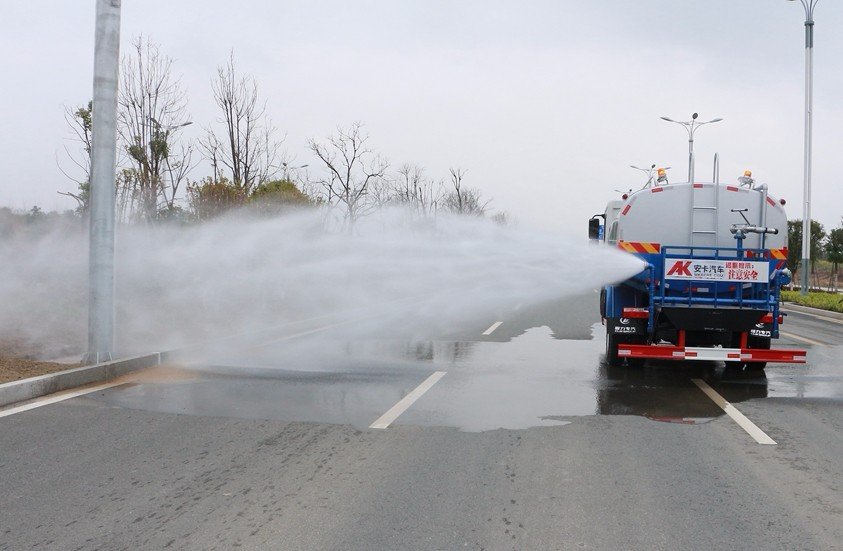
pixel 636 313
pixel 669 352
pixel 732 188
pixel 626 209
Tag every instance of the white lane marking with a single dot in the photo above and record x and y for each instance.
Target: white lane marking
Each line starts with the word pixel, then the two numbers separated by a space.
pixel 491 329
pixel 57 397
pixel 303 333
pixel 806 340
pixel 759 435
pixel 825 318
pixel 387 418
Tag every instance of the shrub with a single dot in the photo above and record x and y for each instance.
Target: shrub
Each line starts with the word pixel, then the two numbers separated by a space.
pixel 825 301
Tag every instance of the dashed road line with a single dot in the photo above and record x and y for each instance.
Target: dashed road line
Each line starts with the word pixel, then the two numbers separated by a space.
pixel 57 397
pixel 806 340
pixel 491 329
pixel 751 428
pixel 392 414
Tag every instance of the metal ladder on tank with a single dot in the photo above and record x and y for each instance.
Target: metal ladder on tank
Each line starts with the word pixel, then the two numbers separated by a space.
pixel 705 210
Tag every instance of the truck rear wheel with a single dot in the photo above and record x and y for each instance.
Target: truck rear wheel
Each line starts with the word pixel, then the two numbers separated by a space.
pixel 637 363
pixel 612 342
pixel 751 342
pixel 759 343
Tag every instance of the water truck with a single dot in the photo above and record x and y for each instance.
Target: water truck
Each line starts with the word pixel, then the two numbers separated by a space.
pixel 715 260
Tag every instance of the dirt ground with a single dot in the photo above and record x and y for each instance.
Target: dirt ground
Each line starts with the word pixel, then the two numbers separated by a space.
pixel 18 361
pixel 12 369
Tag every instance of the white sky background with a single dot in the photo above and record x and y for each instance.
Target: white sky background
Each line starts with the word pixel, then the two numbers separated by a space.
pixel 544 103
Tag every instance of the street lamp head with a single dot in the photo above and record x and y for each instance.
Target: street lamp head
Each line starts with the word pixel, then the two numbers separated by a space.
pixel 154 121
pixel 694 116
pixel 667 119
pixel 716 120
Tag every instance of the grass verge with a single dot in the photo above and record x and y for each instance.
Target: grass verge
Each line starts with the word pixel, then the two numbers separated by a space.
pixel 824 301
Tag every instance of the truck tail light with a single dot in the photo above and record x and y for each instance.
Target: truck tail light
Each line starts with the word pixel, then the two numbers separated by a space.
pixel 768 318
pixel 636 313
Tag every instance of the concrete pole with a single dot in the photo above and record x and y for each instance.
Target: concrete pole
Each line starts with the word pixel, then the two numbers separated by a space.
pixel 809 116
pixel 691 156
pixel 104 153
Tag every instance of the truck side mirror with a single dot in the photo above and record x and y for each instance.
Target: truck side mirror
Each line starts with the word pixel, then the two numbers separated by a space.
pixel 594 228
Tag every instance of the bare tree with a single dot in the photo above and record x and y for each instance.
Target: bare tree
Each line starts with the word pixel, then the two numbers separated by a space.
pixel 462 200
pixel 152 107
pixel 502 218
pixel 211 149
pixel 248 148
pixel 352 171
pixel 411 188
pixel 79 122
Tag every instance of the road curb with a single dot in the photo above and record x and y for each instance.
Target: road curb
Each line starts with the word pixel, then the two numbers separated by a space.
pixel 34 387
pixel 815 311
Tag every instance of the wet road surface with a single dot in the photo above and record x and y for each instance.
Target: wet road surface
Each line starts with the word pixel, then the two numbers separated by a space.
pixel 527 441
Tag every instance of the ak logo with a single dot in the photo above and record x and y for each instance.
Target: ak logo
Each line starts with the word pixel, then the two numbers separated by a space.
pixel 680 268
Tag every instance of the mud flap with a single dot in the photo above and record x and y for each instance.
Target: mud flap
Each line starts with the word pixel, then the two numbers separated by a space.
pixel 635 328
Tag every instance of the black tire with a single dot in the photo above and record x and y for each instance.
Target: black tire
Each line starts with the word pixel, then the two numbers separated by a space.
pixel 636 363
pixel 603 303
pixel 759 343
pixel 751 342
pixel 612 342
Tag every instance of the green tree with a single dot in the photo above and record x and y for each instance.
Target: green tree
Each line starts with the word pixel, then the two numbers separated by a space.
pixel 834 248
pixel 794 243
pixel 278 196
pixel 212 197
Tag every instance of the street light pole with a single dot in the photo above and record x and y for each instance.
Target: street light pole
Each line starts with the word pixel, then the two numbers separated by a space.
pixel 103 156
pixel 691 126
pixel 809 6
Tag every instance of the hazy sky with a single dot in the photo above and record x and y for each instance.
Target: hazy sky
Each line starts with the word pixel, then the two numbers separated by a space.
pixel 544 103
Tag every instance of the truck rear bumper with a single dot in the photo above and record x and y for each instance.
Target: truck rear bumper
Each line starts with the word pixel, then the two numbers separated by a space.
pixel 670 352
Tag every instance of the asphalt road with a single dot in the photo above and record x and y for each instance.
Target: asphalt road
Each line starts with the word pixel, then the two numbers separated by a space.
pixel 520 438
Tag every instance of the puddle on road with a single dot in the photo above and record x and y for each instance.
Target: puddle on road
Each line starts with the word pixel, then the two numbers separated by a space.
pixel 821 377
pixel 531 380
